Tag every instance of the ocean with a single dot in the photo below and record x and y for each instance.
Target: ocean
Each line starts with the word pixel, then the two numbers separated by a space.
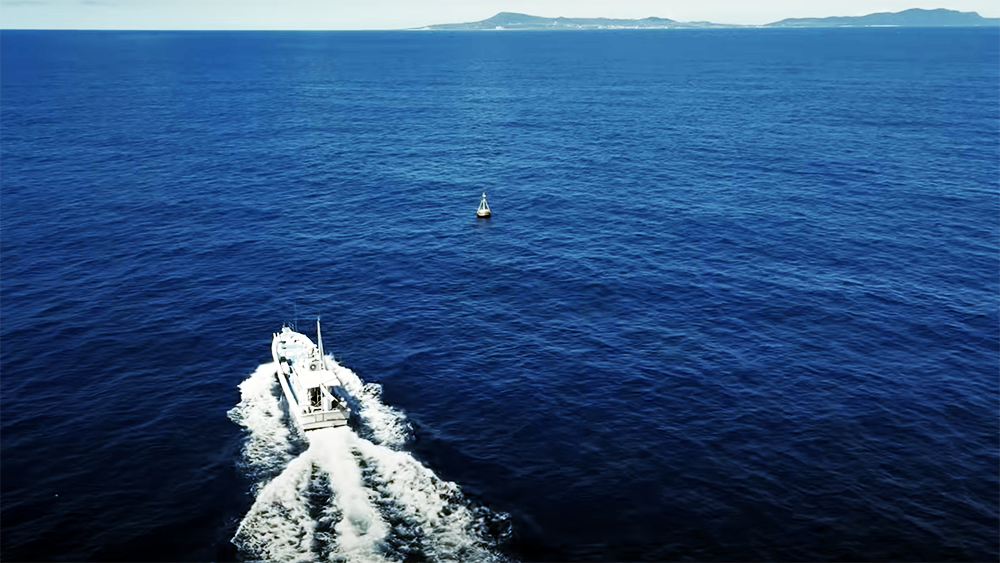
pixel 737 301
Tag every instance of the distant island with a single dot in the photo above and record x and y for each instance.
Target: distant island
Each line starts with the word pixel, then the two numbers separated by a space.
pixel 907 18
pixel 508 20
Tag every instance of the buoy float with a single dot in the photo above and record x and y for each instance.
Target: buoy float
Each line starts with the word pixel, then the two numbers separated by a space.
pixel 484 208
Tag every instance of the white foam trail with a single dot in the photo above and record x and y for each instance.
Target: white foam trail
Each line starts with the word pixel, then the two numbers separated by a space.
pixel 279 526
pixel 270 444
pixel 431 504
pixel 361 530
pixel 346 498
pixel 386 425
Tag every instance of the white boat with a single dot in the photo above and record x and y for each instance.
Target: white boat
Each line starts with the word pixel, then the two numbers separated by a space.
pixel 484 208
pixel 316 396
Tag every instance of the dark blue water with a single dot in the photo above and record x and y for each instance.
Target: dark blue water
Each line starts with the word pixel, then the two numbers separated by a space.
pixel 737 301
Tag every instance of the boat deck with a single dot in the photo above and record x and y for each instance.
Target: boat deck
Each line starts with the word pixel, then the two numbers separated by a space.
pixel 299 368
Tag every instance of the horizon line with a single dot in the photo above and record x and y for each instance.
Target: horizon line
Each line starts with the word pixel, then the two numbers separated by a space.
pixel 438 26
pixel 428 28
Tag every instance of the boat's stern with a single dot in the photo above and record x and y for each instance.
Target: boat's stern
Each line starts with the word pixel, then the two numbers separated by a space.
pixel 323 419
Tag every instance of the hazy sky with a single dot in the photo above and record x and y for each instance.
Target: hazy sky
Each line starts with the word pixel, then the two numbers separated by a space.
pixel 397 14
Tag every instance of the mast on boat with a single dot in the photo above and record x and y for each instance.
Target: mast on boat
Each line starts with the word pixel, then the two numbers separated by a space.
pixel 322 360
pixel 319 343
pixel 484 208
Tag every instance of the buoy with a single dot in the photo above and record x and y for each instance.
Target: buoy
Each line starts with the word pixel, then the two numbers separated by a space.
pixel 484 208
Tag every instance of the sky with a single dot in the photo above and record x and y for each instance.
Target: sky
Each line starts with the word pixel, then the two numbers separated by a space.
pixel 403 14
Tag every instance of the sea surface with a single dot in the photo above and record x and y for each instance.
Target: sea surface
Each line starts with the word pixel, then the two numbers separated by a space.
pixel 738 299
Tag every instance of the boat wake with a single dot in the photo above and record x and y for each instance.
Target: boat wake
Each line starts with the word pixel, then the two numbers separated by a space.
pixel 346 496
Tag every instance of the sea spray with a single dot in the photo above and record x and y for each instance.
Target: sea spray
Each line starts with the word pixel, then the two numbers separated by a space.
pixel 278 526
pixel 380 423
pixel 433 507
pixel 361 531
pixel 270 444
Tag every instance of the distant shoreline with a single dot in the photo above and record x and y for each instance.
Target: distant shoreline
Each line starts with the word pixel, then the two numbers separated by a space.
pixel 427 29
pixel 507 21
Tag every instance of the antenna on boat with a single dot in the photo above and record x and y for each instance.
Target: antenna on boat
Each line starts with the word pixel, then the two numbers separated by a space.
pixel 319 342
pixel 322 357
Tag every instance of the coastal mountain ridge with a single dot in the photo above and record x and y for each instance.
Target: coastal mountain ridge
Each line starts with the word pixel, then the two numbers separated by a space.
pixel 915 17
pixel 511 20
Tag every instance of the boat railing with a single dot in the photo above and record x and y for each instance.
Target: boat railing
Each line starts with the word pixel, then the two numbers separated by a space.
pixel 323 419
